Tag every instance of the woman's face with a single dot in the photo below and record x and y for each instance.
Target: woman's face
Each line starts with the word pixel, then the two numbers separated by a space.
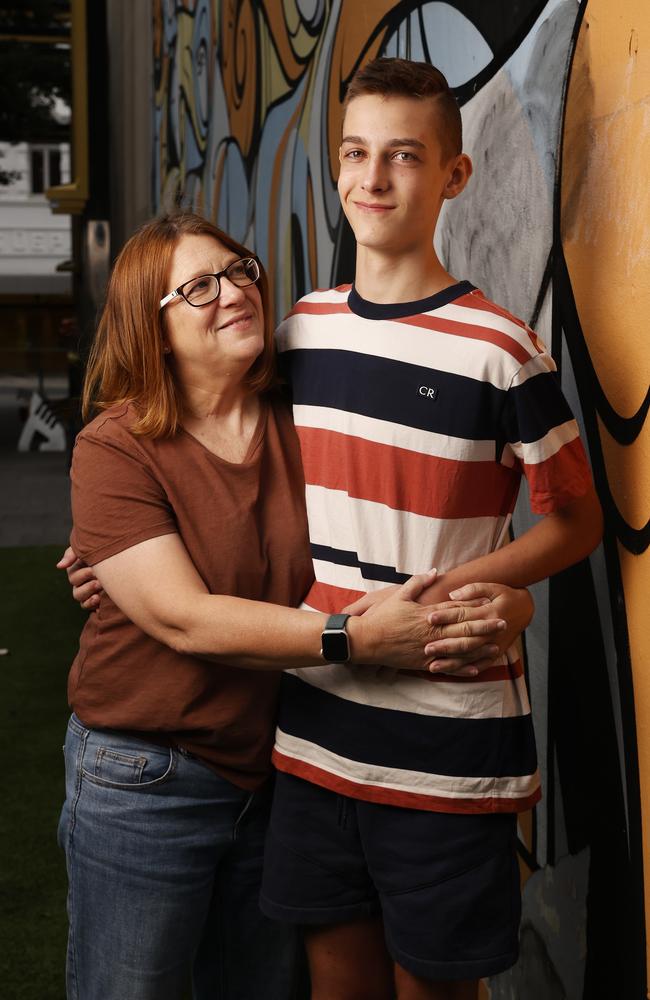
pixel 222 338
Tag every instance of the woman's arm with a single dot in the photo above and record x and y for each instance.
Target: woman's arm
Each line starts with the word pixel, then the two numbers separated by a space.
pixel 475 629
pixel 157 586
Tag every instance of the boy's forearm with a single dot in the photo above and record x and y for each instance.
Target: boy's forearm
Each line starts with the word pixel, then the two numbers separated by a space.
pixel 557 541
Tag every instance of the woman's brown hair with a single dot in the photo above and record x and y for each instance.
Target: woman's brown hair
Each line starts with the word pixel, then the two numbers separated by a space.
pixel 126 362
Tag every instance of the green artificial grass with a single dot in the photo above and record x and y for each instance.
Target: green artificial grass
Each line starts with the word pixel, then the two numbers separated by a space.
pixel 40 625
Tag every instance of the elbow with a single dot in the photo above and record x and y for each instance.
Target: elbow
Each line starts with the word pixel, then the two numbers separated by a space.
pixel 180 634
pixel 185 640
pixel 179 640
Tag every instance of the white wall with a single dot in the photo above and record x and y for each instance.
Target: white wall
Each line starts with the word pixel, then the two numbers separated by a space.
pixel 33 241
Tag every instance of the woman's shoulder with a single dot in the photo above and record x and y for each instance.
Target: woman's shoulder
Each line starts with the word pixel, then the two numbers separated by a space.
pixel 114 422
pixel 112 428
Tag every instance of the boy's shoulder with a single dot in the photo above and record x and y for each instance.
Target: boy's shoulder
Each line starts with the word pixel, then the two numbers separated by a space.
pixel 489 320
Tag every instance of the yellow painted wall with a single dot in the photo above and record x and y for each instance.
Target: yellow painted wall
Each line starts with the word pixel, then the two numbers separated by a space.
pixel 606 237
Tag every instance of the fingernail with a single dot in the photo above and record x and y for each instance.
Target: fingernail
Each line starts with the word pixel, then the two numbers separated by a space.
pixel 454 594
pixel 501 624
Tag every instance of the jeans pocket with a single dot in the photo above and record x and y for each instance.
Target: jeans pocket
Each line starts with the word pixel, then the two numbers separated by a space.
pixel 117 761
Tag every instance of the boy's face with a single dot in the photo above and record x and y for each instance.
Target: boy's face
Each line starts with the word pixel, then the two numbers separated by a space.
pixel 392 181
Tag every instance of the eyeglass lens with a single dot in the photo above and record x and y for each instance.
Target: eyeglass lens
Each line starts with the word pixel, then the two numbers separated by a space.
pixel 207 288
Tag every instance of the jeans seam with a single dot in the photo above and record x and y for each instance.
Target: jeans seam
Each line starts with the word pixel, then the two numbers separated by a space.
pixel 246 807
pixel 83 736
pixel 132 785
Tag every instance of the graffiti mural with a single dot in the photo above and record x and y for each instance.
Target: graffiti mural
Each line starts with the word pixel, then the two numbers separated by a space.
pixel 247 122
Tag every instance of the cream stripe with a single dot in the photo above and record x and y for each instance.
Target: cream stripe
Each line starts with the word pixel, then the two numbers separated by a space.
pixel 395 435
pixel 398 341
pixel 383 687
pixel 380 534
pixel 452 311
pixel 541 364
pixel 401 780
pixel 534 452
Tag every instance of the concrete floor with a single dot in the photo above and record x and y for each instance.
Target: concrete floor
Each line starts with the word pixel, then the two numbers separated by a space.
pixel 34 486
pixel 34 498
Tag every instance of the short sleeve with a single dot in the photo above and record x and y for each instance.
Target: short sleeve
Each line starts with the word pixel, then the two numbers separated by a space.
pixel 543 436
pixel 116 499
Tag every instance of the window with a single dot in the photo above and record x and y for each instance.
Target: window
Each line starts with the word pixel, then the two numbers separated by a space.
pixel 45 166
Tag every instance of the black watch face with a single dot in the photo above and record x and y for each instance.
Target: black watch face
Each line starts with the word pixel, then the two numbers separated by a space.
pixel 335 647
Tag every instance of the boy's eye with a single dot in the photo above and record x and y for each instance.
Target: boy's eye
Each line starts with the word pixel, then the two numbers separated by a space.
pixel 354 154
pixel 404 156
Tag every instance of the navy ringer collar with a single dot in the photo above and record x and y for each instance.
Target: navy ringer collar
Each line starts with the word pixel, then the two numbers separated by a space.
pixel 398 310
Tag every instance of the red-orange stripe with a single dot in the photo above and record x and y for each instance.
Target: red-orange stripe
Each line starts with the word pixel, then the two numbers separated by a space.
pixel 472 331
pixel 421 484
pixel 330 599
pixel 567 466
pixel 319 308
pixel 407 800
pixel 477 300
pixel 500 672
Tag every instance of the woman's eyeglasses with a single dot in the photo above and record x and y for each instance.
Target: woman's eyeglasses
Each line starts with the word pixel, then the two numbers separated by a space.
pixel 207 287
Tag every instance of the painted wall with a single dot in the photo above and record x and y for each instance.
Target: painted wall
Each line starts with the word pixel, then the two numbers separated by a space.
pixel 555 97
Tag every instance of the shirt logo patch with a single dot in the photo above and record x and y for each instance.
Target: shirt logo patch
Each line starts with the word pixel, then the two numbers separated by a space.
pixel 428 392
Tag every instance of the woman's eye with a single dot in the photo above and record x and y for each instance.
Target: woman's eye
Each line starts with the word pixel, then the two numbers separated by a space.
pixel 198 286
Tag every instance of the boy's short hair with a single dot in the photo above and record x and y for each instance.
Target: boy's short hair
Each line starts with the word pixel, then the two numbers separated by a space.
pixel 404 78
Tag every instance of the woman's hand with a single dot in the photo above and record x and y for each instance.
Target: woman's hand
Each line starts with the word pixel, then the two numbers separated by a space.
pixel 86 588
pixel 477 626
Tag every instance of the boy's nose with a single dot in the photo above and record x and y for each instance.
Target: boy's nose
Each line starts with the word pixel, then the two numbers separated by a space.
pixel 375 176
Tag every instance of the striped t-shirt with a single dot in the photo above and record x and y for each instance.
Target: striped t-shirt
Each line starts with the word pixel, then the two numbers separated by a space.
pixel 416 422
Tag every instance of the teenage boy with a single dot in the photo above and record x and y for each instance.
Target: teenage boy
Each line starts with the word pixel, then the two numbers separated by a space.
pixel 419 404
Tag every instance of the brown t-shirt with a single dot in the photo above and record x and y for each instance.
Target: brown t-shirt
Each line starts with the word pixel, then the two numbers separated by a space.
pixel 245 528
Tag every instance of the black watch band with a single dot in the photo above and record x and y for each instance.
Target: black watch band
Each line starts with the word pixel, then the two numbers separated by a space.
pixel 335 644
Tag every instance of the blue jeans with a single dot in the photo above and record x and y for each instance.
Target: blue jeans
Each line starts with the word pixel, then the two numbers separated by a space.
pixel 164 863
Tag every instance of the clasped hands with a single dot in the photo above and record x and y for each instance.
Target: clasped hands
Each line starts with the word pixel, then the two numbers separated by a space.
pixel 468 633
pixel 463 636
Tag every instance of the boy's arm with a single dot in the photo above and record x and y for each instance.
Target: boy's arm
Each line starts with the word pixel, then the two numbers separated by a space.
pixel 557 541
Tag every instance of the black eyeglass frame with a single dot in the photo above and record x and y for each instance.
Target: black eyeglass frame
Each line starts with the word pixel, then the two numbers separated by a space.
pixel 219 275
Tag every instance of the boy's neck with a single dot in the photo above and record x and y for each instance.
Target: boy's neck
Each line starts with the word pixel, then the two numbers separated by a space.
pixel 387 278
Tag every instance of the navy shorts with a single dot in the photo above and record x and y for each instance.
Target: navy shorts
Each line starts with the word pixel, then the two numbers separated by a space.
pixel 446 885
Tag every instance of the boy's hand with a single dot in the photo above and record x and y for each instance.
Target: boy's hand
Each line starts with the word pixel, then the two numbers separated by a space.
pixel 372 599
pixel 86 588
pixel 477 627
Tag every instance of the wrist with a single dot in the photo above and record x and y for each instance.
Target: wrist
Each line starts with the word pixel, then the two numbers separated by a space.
pixel 358 637
pixel 335 641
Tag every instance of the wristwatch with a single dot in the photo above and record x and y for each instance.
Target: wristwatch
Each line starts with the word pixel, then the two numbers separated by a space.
pixel 335 641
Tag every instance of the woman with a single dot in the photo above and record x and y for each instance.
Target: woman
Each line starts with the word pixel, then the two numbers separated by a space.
pixel 187 499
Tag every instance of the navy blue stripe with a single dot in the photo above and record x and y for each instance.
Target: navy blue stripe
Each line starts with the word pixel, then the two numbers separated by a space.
pixel 481 748
pixel 369 571
pixel 534 408
pixel 393 390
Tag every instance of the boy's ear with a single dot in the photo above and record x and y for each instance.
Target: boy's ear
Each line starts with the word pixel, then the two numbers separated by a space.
pixel 459 176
